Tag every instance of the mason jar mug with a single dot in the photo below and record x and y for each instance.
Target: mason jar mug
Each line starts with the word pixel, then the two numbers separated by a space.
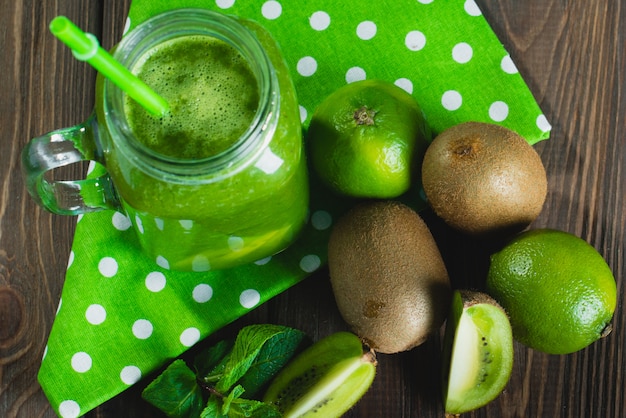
pixel 218 182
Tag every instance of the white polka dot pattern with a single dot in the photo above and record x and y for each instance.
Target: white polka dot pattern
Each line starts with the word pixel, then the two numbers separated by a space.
pixel 142 329
pixel 69 409
pixel 95 314
pixel 249 298
pixel 108 266
pixel 307 66
pixel 155 281
pixel 190 336
pixel 130 375
pixel 366 30
pixel 320 20
pixel 271 10
pixel 128 315
pixel 81 362
pixel 202 293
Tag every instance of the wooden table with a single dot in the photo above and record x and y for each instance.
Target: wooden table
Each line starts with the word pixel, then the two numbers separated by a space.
pixel 572 55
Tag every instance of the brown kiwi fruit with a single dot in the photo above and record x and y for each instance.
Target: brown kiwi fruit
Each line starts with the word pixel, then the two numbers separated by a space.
pixel 389 280
pixel 484 179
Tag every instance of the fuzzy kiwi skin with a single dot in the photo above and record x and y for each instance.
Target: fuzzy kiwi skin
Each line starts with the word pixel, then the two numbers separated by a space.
pixel 484 179
pixel 389 280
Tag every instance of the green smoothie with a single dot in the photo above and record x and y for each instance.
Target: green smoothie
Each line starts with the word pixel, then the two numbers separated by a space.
pixel 212 93
pixel 238 212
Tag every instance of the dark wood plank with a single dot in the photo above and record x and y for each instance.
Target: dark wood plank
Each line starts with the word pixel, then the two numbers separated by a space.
pixel 42 89
pixel 572 56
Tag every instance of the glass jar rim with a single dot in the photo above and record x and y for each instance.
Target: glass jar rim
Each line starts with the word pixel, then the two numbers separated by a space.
pixel 191 22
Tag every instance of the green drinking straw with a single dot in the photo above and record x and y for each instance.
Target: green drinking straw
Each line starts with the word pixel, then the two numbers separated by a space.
pixel 86 47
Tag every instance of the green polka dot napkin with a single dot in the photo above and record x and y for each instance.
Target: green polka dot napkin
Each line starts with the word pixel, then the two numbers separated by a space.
pixel 121 316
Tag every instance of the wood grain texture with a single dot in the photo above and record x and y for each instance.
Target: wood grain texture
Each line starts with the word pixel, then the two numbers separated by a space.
pixel 572 55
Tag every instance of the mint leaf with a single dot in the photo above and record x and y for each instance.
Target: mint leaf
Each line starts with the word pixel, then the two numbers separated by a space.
pixel 223 373
pixel 274 355
pixel 175 392
pixel 213 408
pixel 248 345
pixel 210 364
pixel 249 408
pixel 234 394
pixel 239 408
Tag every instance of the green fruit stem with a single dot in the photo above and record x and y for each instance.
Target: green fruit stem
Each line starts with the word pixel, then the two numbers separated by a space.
pixel 364 116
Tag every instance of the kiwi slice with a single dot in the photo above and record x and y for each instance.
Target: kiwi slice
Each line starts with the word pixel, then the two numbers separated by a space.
pixel 325 380
pixel 478 352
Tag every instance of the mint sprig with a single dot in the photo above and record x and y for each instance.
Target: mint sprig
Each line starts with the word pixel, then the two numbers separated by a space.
pixel 227 376
pixel 176 392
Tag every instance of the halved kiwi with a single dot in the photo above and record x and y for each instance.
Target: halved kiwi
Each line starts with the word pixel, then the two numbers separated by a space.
pixel 478 352
pixel 325 380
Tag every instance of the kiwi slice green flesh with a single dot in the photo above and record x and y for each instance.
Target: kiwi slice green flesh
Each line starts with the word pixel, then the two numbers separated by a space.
pixel 325 380
pixel 478 352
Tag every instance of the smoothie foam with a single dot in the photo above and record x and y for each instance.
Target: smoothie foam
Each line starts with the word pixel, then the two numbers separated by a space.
pixel 212 93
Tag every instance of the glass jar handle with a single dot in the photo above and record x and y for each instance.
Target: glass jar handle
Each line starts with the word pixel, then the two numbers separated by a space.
pixel 60 148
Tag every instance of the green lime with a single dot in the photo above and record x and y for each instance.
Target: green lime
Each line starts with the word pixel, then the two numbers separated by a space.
pixel 559 292
pixel 367 139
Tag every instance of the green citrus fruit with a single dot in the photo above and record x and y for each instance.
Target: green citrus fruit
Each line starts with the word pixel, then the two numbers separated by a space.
pixel 367 139
pixel 559 292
